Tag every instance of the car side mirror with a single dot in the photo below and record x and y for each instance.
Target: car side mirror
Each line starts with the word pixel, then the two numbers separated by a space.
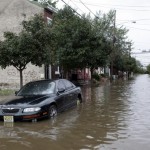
pixel 61 90
pixel 16 92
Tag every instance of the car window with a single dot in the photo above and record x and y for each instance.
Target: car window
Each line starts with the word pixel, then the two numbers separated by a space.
pixel 37 88
pixel 48 89
pixel 68 84
pixel 61 85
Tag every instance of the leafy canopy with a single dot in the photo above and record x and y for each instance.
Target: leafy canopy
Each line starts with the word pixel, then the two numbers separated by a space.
pixel 79 43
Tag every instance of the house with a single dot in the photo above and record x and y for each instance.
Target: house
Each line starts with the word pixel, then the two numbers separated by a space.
pixel 12 13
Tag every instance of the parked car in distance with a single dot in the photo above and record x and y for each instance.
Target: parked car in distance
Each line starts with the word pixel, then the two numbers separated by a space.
pixel 40 99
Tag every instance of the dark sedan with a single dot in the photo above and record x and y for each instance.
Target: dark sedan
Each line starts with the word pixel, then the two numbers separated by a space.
pixel 40 99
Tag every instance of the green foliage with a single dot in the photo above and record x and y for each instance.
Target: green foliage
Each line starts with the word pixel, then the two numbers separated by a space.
pixel 148 69
pixel 15 50
pixel 32 44
pixel 79 43
pixel 45 3
pixel 86 42
pixel 72 38
pixel 96 76
pixel 131 64
pixel 41 40
pixel 104 75
pixel 49 2
pixel 71 41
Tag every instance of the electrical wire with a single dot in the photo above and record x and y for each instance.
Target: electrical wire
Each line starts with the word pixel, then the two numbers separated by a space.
pixel 96 16
pixel 134 20
pixel 138 28
pixel 88 8
pixel 98 4
pixel 76 6
pixel 121 8
pixel 71 8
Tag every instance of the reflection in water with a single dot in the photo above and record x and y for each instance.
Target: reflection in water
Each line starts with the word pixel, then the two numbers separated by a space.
pixel 113 116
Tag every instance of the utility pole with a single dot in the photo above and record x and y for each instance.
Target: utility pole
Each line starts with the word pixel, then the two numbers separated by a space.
pixel 113 46
pixel 129 51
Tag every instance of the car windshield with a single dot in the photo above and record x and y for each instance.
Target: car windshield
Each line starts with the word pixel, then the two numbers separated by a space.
pixel 37 88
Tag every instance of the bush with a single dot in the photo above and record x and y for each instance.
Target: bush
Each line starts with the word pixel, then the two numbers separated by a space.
pixel 96 76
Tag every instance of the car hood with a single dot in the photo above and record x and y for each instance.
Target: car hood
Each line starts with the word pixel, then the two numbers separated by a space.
pixel 25 100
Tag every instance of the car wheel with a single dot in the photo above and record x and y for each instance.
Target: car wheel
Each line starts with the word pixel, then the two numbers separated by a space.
pixel 80 98
pixel 52 111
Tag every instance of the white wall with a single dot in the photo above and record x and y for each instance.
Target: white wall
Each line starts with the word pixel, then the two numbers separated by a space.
pixel 12 13
pixel 11 76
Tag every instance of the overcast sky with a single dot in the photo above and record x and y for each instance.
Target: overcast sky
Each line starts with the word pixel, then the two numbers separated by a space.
pixel 127 12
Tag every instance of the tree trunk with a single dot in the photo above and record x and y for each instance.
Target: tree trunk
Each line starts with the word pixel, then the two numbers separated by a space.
pixel 91 69
pixel 21 78
pixel 111 69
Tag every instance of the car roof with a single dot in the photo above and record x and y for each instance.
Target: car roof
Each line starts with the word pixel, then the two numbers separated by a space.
pixel 50 80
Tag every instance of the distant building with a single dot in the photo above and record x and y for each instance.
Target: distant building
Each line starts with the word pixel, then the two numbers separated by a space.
pixel 12 13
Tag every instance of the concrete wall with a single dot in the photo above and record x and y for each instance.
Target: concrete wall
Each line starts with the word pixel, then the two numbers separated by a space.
pixel 10 77
pixel 12 13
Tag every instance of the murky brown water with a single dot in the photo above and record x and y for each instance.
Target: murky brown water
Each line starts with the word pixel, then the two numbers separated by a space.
pixel 113 116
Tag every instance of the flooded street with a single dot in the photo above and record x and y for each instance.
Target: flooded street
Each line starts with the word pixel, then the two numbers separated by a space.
pixel 113 116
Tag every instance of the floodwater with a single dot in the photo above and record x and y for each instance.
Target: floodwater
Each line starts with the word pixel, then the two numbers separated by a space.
pixel 113 116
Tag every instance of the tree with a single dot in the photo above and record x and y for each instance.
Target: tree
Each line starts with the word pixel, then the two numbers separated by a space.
pixel 49 2
pixel 140 69
pixel 118 38
pixel 79 43
pixel 72 37
pixel 32 44
pixel 15 50
pixel 130 64
pixel 43 40
pixel 100 41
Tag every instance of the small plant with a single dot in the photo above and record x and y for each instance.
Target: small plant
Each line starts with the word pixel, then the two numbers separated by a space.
pixel 102 75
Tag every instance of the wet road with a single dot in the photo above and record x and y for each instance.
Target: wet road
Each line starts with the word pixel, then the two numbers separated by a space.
pixel 114 116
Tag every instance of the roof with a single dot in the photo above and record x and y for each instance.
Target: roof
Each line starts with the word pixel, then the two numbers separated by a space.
pixel 49 7
pixel 52 9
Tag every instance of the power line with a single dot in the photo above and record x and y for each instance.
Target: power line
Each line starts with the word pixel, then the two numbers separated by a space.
pixel 138 28
pixel 88 8
pixel 76 6
pixel 98 4
pixel 143 24
pixel 143 20
pixel 71 8
pixel 137 20
pixel 119 7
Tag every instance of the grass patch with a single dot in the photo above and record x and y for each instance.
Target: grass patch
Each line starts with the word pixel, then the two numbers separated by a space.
pixel 6 92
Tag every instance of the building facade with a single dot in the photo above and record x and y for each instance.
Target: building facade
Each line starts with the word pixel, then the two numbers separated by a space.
pixel 12 13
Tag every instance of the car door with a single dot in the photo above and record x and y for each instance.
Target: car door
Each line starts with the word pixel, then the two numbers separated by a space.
pixel 61 96
pixel 70 94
